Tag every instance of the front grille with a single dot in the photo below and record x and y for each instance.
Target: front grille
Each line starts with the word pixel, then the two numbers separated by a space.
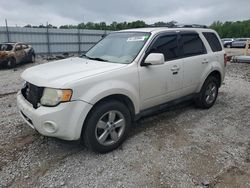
pixel 32 93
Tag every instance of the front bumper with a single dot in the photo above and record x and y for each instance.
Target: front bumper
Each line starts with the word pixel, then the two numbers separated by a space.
pixel 64 121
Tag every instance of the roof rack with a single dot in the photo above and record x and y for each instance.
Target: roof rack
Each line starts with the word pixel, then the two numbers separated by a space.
pixel 182 26
pixel 191 26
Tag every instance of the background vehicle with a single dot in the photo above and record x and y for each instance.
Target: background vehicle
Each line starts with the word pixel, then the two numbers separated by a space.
pixel 15 53
pixel 125 76
pixel 227 42
pixel 239 43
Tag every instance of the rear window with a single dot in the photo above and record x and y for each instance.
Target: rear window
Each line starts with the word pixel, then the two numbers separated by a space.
pixel 213 41
pixel 192 45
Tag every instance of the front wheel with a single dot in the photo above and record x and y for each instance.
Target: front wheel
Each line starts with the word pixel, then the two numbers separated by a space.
pixel 208 94
pixel 32 58
pixel 107 126
pixel 11 63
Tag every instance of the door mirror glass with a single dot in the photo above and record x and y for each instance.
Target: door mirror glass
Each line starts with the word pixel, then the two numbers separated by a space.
pixel 154 59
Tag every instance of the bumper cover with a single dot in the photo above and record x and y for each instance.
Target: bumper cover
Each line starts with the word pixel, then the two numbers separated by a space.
pixel 64 121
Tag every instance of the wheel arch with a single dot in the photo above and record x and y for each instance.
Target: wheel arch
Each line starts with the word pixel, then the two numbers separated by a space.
pixel 217 75
pixel 118 97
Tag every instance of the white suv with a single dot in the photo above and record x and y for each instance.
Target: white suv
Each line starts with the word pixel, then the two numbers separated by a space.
pixel 127 75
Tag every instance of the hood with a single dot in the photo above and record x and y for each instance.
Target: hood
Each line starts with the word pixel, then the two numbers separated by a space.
pixel 3 54
pixel 58 74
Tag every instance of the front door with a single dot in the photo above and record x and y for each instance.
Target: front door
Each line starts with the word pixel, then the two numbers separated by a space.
pixel 161 83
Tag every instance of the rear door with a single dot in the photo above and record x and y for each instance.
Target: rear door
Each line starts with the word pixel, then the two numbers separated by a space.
pixel 195 60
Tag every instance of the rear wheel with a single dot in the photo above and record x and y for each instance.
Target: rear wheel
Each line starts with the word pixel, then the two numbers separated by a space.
pixel 208 93
pixel 107 126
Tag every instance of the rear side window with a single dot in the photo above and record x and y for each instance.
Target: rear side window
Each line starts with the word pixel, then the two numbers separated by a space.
pixel 166 45
pixel 192 45
pixel 213 41
pixel 24 46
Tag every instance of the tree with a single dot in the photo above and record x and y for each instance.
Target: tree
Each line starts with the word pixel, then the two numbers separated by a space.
pixel 236 29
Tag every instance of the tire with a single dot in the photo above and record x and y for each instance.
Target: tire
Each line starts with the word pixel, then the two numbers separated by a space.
pixel 106 126
pixel 208 94
pixel 11 63
pixel 32 58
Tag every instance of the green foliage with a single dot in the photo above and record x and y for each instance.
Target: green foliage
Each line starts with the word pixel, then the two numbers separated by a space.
pixel 232 29
pixel 41 26
pixel 226 30
pixel 113 26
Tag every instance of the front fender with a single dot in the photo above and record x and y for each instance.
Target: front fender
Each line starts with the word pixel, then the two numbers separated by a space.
pixel 112 87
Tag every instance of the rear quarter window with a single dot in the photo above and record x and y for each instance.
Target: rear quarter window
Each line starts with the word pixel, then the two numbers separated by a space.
pixel 213 41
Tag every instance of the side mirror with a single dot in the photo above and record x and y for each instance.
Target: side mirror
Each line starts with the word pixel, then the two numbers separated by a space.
pixel 154 59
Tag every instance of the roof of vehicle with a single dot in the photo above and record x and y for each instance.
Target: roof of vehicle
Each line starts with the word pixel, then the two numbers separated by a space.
pixel 162 29
pixel 13 43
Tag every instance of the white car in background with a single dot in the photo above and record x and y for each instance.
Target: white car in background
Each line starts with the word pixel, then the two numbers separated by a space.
pixel 227 42
pixel 127 75
pixel 240 43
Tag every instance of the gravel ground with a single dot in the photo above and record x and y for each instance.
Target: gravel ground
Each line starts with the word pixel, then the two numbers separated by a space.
pixel 181 147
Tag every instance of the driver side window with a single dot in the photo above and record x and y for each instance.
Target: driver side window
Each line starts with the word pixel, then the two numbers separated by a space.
pixel 167 45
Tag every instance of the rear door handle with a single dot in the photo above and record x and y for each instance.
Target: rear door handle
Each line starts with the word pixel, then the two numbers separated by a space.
pixel 204 61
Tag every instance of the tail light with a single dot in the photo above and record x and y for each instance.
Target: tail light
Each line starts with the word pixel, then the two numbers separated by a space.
pixel 225 59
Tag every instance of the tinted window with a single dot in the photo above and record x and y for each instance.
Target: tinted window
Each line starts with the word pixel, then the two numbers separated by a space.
pixel 6 47
pixel 192 45
pixel 213 41
pixel 166 45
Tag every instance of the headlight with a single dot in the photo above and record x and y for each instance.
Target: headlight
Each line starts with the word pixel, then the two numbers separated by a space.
pixel 52 97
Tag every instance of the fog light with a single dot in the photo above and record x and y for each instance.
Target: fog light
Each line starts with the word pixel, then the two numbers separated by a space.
pixel 50 127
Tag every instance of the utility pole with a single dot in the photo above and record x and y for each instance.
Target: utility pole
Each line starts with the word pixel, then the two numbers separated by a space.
pixel 7 30
pixel 48 41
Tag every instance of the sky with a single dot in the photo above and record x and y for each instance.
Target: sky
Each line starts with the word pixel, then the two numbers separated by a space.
pixel 63 12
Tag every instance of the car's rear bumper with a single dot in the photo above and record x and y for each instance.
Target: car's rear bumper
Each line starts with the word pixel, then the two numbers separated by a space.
pixel 64 121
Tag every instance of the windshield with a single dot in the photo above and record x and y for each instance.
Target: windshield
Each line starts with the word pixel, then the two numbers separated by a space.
pixel 5 47
pixel 118 47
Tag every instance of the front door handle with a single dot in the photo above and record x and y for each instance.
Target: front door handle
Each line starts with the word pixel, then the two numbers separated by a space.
pixel 175 68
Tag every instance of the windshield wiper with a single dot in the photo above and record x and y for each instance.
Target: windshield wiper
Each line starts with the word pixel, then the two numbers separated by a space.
pixel 94 58
pixel 97 59
pixel 83 55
